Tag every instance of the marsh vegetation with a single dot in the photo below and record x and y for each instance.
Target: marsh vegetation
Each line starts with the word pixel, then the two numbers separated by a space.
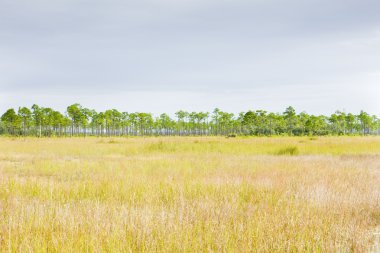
pixel 189 194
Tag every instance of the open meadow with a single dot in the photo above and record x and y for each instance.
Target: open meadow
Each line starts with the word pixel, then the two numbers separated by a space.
pixel 190 194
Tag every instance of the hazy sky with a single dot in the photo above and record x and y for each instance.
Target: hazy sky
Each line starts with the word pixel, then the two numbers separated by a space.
pixel 164 55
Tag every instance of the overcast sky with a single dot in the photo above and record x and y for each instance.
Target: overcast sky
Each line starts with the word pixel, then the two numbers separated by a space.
pixel 164 55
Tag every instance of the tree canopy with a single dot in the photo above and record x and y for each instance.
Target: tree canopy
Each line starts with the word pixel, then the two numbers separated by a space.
pixel 80 121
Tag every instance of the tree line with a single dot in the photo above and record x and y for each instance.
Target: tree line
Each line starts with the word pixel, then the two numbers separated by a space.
pixel 81 121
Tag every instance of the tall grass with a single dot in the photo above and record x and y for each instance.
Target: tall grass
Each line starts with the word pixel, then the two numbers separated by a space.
pixel 189 194
pixel 291 150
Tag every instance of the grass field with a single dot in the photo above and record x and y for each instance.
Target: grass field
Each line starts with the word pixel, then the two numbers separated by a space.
pixel 189 194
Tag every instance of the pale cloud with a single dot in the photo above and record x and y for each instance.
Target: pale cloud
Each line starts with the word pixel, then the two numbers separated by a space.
pixel 196 55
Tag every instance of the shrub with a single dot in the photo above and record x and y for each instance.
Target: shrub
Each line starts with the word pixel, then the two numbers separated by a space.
pixel 291 150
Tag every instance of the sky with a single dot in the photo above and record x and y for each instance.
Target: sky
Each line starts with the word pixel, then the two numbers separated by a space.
pixel 165 55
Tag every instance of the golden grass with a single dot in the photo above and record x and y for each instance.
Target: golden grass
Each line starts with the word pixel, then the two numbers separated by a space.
pixel 189 194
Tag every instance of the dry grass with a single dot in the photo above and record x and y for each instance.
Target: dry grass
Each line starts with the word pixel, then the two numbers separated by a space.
pixel 189 194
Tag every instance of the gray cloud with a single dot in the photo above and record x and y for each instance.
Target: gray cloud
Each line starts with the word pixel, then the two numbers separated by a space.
pixel 229 54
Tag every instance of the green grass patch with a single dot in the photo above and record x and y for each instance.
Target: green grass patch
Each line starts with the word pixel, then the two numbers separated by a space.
pixel 291 150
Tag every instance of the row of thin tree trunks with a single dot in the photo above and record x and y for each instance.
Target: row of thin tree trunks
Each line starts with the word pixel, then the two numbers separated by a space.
pixel 128 131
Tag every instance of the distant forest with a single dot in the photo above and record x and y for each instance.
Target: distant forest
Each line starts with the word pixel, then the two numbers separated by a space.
pixel 81 121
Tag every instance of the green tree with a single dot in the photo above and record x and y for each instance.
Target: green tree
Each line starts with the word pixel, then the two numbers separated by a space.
pixel 290 117
pixel 249 122
pixel 181 116
pixel 350 122
pixel 37 116
pixel 365 122
pixel 26 117
pixel 75 113
pixel 303 118
pixel 12 121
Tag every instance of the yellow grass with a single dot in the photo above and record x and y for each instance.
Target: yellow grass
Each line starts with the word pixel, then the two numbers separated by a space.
pixel 185 194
